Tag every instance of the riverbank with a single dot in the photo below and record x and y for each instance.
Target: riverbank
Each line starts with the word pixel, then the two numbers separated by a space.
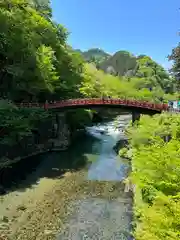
pixel 53 135
pixel 16 172
pixel 43 131
pixel 154 153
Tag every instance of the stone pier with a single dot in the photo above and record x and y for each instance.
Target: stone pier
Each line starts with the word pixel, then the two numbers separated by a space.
pixel 135 117
pixel 61 132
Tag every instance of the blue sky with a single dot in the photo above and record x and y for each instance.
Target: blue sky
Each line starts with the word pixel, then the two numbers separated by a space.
pixel 141 27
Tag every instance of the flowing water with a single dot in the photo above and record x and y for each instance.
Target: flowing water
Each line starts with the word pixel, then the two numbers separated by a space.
pixel 101 217
pixel 100 209
pixel 108 165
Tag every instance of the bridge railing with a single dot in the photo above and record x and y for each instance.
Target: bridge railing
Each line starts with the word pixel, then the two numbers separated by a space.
pixel 30 105
pixel 99 101
pixel 95 101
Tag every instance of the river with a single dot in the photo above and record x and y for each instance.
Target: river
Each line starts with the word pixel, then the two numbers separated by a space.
pixel 98 208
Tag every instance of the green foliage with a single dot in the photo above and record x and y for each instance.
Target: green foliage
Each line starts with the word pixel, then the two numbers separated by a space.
pixel 43 62
pixel 155 146
pixel 160 221
pixel 94 55
pixel 141 71
pixel 123 152
pixel 79 118
pixel 153 74
pixel 35 64
pixel 175 57
pixel 96 83
pixel 43 6
pixel 17 123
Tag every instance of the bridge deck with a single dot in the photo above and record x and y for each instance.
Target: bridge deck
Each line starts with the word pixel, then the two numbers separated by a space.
pixel 98 102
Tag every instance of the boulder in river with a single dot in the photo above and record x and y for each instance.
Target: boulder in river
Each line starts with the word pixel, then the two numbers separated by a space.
pixel 120 144
pixel 102 132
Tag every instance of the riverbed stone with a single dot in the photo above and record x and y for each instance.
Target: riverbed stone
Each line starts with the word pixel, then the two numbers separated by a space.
pixel 95 218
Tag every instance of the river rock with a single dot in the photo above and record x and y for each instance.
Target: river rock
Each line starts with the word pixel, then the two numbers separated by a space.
pixel 120 144
pixel 49 232
pixel 102 132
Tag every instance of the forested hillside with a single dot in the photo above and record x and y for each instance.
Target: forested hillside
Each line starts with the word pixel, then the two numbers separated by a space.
pixel 121 62
pixel 94 55
pixel 141 70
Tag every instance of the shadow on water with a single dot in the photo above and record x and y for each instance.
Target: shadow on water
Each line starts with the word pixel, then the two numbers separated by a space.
pixel 28 172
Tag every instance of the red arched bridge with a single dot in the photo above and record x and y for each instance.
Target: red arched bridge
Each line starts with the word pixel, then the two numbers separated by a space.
pixel 140 106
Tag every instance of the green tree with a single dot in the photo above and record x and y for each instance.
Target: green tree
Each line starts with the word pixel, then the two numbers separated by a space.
pixel 35 58
pixel 43 6
pixel 175 57
pixel 154 145
pixel 153 74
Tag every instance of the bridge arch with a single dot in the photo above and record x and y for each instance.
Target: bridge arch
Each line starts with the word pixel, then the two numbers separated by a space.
pixel 136 107
pixel 142 106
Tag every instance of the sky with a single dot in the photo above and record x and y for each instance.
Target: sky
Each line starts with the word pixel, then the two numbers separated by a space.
pixel 140 27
